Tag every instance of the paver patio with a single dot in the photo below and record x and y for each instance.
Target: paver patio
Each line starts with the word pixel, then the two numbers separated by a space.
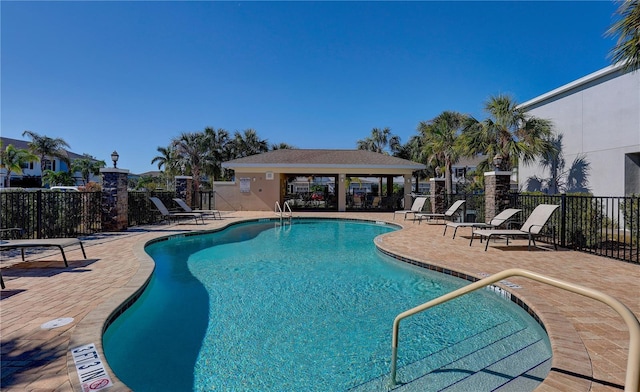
pixel 590 341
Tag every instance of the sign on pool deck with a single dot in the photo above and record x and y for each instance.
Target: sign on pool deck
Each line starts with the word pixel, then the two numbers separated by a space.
pixel 93 376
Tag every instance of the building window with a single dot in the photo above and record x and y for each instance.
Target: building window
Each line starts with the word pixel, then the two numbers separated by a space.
pixel 49 165
pixel 632 173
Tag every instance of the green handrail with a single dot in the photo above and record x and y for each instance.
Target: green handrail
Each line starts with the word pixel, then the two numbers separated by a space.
pixel 632 380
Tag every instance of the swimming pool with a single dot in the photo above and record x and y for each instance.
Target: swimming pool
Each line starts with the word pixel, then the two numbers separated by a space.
pixel 309 306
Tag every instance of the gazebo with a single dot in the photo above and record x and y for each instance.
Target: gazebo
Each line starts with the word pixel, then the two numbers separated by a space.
pixel 262 180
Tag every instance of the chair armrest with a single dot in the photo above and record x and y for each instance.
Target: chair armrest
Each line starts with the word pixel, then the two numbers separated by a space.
pixel 510 224
pixel 532 226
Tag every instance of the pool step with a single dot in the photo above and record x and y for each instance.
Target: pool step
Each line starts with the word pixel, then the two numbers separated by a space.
pixel 502 372
pixel 529 380
pixel 483 362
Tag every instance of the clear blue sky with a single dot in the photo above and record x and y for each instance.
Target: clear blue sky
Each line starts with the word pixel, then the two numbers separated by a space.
pixel 130 76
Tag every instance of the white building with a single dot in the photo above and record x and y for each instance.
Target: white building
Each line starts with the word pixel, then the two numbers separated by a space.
pixel 33 169
pixel 599 117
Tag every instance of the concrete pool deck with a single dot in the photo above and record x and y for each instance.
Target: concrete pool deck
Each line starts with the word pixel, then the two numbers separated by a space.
pixel 590 341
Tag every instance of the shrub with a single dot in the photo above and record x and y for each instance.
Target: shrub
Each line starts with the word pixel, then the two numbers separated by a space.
pixel 630 208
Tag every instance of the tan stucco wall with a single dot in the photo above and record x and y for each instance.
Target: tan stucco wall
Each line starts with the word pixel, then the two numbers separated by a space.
pixel 262 193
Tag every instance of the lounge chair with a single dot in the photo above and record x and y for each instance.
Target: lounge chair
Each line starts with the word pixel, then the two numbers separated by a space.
pixel 59 243
pixel 416 207
pixel 496 222
pixel 186 208
pixel 448 215
pixel 530 229
pixel 357 202
pixel 174 215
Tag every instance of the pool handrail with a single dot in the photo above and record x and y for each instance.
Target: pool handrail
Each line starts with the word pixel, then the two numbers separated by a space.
pixel 283 212
pixel 632 380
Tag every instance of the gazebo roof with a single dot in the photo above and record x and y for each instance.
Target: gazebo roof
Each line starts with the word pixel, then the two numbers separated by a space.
pixel 310 158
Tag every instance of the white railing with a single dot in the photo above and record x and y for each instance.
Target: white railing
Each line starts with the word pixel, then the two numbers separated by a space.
pixel 632 380
pixel 283 213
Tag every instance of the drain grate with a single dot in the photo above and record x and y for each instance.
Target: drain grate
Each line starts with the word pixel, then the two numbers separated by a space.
pixel 59 322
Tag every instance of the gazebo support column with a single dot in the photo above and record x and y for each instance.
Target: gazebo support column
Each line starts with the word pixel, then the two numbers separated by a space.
pixel 341 189
pixel 407 191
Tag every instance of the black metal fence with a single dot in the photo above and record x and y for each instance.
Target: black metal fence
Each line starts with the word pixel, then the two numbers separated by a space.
pixel 206 200
pixel 51 214
pixel 605 226
pixel 142 211
pixel 472 209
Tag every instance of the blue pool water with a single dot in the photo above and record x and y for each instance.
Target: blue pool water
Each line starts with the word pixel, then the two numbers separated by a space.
pixel 309 307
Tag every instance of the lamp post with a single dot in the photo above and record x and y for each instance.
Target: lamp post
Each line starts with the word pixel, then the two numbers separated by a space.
pixel 114 196
pixel 497 162
pixel 114 158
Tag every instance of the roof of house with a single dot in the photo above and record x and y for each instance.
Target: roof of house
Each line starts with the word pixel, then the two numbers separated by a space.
pixel 152 173
pixel 599 76
pixel 469 162
pixel 323 158
pixel 24 144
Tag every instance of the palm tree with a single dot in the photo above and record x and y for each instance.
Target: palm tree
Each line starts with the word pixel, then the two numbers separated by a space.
pixel 12 159
pixel 87 165
pixel 414 151
pixel 44 146
pixel 509 134
pixel 53 178
pixel 217 142
pixel 248 143
pixel 627 29
pixel 168 160
pixel 191 149
pixel 379 141
pixel 440 141
pixel 282 146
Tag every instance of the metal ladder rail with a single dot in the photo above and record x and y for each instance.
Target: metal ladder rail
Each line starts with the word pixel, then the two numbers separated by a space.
pixel 632 379
pixel 283 213
pixel 287 210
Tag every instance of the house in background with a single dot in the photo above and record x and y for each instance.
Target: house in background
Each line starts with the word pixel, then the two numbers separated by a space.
pixel 32 169
pixel 599 118
pixel 461 173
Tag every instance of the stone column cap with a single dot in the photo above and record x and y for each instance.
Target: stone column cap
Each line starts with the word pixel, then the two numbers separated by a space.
pixel 183 177
pixel 113 170
pixel 498 173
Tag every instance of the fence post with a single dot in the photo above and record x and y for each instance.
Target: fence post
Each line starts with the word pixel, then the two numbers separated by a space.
pixel 563 220
pixel 497 186
pixel 438 195
pixel 184 188
pixel 115 199
pixel 39 215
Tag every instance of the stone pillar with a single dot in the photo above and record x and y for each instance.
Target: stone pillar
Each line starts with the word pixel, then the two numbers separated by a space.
pixel 184 189
pixel 497 185
pixel 115 199
pixel 438 193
